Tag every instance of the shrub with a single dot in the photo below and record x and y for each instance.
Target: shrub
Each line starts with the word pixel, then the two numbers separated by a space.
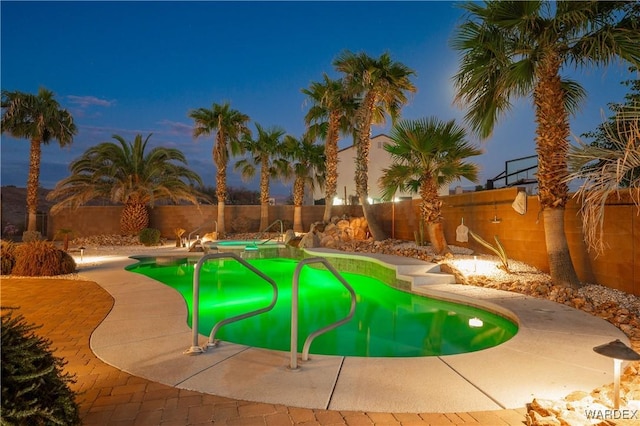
pixel 35 390
pixel 8 250
pixel 498 249
pixel 241 224
pixel 29 236
pixel 42 258
pixel 149 236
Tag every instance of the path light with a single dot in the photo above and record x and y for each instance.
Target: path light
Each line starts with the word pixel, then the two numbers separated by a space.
pixel 619 352
pixel 81 253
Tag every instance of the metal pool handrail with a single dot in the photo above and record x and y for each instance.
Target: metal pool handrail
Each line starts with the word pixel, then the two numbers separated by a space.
pixel 195 349
pixel 199 228
pixel 294 310
pixel 267 228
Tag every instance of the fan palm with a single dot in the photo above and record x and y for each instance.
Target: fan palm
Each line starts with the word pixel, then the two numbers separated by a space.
pixel 331 114
pixel 427 154
pixel 517 49
pixel 124 173
pixel 380 86
pixel 265 151
pixel 606 168
pixel 307 161
pixel 40 119
pixel 230 126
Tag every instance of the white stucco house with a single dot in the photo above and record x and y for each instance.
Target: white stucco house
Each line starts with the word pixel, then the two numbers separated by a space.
pixel 379 159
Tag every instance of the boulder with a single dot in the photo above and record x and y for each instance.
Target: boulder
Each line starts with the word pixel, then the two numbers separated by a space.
pixel 309 240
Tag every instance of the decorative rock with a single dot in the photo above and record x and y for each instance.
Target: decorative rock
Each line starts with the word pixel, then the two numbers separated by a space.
pixel 309 240
pixel 289 235
pixel 576 396
pixel 540 420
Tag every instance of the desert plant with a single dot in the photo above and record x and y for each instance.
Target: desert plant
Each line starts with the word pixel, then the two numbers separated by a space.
pixel 35 390
pixel 9 230
pixel 498 249
pixel 128 173
pixel 149 236
pixel 8 250
pixel 179 232
pixel 42 258
pixel 29 236
pixel 604 170
pixel 64 233
pixel 241 224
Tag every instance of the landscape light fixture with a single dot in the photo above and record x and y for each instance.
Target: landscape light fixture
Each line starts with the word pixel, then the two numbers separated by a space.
pixel 81 253
pixel 495 219
pixel 619 352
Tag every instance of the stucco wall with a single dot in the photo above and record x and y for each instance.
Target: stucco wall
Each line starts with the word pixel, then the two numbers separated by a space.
pixel 521 235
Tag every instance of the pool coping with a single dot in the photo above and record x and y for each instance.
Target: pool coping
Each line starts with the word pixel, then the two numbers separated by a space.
pixel 145 334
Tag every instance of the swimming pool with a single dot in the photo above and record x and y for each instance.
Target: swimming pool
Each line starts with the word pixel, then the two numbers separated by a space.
pixel 387 323
pixel 244 243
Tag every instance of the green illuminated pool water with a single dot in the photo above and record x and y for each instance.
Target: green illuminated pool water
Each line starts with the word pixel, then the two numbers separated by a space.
pixel 244 243
pixel 387 322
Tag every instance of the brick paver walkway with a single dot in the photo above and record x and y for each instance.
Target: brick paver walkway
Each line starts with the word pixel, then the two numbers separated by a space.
pixel 70 310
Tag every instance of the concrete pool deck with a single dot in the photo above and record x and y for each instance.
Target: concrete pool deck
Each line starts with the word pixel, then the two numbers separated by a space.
pixel 145 334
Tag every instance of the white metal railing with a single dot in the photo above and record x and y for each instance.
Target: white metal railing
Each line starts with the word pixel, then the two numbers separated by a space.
pixel 195 348
pixel 199 228
pixel 264 231
pixel 294 310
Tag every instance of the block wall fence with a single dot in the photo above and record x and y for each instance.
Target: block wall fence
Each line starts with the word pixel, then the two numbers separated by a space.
pixel 522 235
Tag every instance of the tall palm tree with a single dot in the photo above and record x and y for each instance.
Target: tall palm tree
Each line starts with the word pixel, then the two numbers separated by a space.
pixel 516 49
pixel 426 154
pixel 230 126
pixel 380 85
pixel 125 173
pixel 265 151
pixel 329 116
pixel 40 119
pixel 308 163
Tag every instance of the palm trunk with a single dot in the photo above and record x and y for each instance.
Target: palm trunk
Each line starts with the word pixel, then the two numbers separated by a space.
pixel 297 219
pixel 363 125
pixel 435 231
pixel 264 216
pixel 331 153
pixel 552 147
pixel 431 212
pixel 264 194
pixel 220 160
pixel 33 182
pixel 298 197
pixel 220 221
pixel 558 249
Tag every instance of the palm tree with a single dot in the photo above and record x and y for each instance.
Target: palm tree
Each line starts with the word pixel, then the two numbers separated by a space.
pixel 427 154
pixel 124 173
pixel 331 113
pixel 380 86
pixel 517 49
pixel 606 167
pixel 266 152
pixel 230 126
pixel 40 119
pixel 308 168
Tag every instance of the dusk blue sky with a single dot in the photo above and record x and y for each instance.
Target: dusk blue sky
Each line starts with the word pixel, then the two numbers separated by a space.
pixel 139 67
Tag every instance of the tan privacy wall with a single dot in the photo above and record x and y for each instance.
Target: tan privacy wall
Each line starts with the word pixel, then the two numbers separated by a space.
pixel 522 235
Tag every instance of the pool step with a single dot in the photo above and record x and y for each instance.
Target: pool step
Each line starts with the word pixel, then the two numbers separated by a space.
pixel 424 274
pixel 429 278
pixel 417 272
